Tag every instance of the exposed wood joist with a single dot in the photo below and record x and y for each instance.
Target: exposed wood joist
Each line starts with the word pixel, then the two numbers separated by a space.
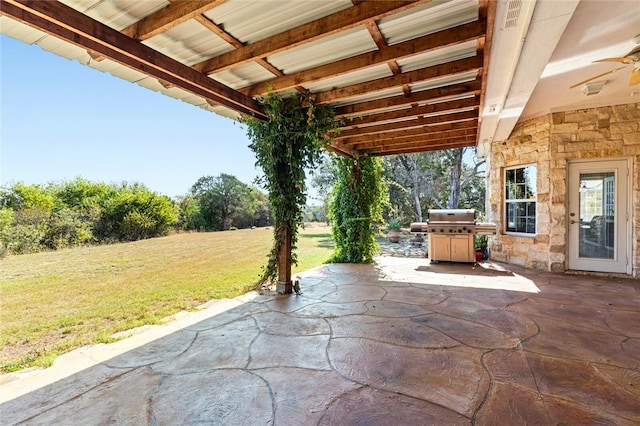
pixel 421 148
pixel 422 75
pixel 384 54
pixel 323 27
pixel 220 32
pixel 434 138
pixel 410 112
pixel 77 28
pixel 470 89
pixel 168 17
pixel 356 142
pixel 409 124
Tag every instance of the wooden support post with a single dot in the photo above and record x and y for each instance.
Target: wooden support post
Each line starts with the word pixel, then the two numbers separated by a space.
pixel 284 285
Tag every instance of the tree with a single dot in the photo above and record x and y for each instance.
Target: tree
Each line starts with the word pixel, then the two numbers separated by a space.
pixel 220 199
pixel 436 179
pixel 324 178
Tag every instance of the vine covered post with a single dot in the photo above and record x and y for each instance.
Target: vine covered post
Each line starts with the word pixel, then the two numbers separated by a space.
pixel 286 144
pixel 356 207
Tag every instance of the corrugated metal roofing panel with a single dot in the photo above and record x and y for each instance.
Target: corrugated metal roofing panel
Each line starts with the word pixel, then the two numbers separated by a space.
pixel 394 91
pixel 66 50
pixel 20 31
pixel 328 49
pixel 250 21
pixel 117 14
pixel 439 56
pixel 189 43
pixel 426 19
pixel 243 75
pixel 444 81
pixel 379 71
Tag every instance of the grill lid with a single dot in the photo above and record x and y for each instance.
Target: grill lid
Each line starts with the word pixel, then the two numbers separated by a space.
pixel 452 216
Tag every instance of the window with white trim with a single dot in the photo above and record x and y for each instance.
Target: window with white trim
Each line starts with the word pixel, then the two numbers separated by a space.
pixel 520 200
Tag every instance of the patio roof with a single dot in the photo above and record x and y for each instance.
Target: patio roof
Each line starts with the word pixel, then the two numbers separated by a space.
pixel 407 75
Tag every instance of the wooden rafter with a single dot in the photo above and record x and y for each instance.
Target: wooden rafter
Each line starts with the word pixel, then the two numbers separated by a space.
pixel 421 148
pixel 323 27
pixel 385 54
pixel 168 17
pixel 470 88
pixel 422 131
pixel 461 66
pixel 434 138
pixel 408 124
pixel 411 112
pixel 68 24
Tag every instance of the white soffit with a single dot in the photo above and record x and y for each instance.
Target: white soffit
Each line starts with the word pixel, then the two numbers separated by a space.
pixel 524 39
pixel 548 23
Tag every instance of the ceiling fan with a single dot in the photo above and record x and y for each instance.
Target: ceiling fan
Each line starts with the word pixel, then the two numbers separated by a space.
pixel 631 58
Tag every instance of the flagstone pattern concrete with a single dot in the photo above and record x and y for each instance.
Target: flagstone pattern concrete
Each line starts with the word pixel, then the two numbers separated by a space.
pixel 402 342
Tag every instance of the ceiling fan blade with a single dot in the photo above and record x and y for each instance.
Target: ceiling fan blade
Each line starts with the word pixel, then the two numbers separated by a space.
pixel 595 77
pixel 634 78
pixel 622 60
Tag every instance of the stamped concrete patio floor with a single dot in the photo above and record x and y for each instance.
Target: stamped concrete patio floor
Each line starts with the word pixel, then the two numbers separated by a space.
pixel 400 342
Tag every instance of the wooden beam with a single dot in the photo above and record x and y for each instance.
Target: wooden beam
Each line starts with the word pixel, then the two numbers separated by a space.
pixel 452 68
pixel 68 24
pixel 442 137
pixel 220 32
pixel 427 43
pixel 169 17
pixel 394 102
pixel 410 112
pixel 340 149
pixel 422 131
pixel 420 148
pixel 323 27
pixel 408 124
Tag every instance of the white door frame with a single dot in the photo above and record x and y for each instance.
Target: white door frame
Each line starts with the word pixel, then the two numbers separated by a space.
pixel 622 258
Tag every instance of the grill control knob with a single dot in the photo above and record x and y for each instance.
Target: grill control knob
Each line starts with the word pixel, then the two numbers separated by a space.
pixel 441 230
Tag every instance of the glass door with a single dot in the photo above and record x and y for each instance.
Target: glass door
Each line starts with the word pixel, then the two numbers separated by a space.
pixel 598 216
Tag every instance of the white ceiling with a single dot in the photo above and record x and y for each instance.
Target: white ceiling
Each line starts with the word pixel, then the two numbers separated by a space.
pixel 552 49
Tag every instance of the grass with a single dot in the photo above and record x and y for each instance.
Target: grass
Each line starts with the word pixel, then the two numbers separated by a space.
pixel 58 301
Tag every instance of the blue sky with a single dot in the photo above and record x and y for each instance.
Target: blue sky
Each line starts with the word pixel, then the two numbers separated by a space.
pixel 60 119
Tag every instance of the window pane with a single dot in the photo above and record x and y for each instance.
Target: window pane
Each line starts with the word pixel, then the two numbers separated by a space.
pixel 521 217
pixel 520 195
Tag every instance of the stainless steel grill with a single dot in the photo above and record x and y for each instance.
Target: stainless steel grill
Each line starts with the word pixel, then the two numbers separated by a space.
pixel 452 234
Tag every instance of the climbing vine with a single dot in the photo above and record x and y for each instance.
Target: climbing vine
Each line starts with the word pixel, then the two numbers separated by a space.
pixel 358 198
pixel 287 144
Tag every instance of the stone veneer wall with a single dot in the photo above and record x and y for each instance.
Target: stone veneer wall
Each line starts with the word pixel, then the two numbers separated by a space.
pixel 549 142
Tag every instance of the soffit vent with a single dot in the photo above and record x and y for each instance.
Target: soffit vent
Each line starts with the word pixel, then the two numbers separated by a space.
pixel 513 12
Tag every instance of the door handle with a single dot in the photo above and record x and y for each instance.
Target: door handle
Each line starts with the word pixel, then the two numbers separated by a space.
pixel 572 221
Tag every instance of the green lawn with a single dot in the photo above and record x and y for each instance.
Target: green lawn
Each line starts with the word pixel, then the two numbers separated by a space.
pixel 58 301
